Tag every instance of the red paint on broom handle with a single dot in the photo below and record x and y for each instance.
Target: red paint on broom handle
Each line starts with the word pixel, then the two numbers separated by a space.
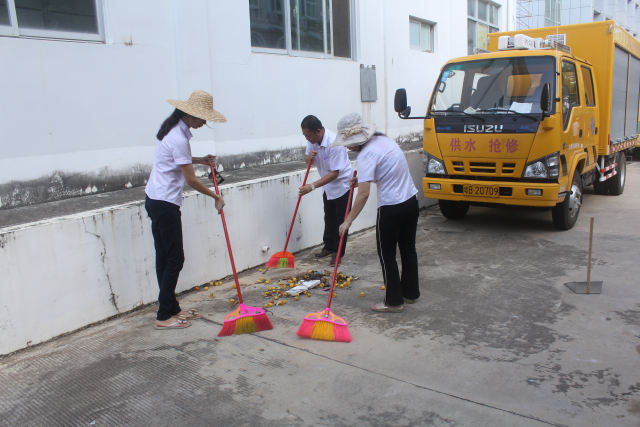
pixel 335 267
pixel 297 205
pixel 226 233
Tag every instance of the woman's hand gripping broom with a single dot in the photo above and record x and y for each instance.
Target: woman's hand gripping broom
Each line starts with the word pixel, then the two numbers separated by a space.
pixel 244 319
pixel 325 325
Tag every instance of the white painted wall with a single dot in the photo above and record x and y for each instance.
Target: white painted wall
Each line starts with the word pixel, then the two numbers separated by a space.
pixel 84 107
pixel 63 273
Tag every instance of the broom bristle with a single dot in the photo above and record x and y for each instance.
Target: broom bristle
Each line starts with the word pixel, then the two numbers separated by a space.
pixel 324 325
pixel 323 331
pixel 245 320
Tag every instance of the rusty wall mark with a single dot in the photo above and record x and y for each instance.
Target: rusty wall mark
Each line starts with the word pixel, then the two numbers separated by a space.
pixel 61 185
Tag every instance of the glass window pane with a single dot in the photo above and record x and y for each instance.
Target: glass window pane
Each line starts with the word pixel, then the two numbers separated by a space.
pixel 414 34
pixel 306 25
pixel 589 95
pixel 267 23
pixel 471 7
pixel 570 90
pixel 482 11
pixel 4 13
pixel 424 37
pixel 471 35
pixel 341 28
pixel 328 26
pixel 483 32
pixel 493 16
pixel 77 16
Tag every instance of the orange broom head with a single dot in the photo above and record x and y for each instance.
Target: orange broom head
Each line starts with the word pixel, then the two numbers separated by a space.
pixel 324 325
pixel 244 320
pixel 282 259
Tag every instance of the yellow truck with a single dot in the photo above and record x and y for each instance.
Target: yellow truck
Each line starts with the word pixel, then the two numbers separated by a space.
pixel 542 115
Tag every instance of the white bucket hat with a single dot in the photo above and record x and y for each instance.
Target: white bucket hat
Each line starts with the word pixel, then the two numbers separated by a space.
pixel 200 105
pixel 352 131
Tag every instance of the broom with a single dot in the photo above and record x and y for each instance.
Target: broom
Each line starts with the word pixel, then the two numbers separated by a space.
pixel 284 259
pixel 325 325
pixel 244 319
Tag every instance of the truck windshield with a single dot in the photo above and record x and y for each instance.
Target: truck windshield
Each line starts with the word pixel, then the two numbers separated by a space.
pixel 494 86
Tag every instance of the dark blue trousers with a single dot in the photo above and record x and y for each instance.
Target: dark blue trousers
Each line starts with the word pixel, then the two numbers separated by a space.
pixel 166 226
pixel 334 211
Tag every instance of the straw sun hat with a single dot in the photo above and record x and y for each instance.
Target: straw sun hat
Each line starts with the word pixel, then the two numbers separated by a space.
pixel 352 131
pixel 200 105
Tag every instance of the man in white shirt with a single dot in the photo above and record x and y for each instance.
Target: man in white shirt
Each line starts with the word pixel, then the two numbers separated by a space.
pixel 335 172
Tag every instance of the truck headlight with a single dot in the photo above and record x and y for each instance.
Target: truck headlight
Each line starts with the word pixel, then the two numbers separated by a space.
pixel 546 167
pixel 433 165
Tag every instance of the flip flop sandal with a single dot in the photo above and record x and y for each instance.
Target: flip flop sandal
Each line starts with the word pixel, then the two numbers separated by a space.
pixel 180 322
pixel 192 314
pixel 381 307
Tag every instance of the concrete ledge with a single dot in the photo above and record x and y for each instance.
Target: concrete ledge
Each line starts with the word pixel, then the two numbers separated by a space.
pixel 63 273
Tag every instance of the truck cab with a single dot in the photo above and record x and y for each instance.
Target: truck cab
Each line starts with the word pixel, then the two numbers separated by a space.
pixel 519 126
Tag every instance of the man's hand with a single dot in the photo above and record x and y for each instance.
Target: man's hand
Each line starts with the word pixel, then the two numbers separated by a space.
pixel 305 189
pixel 344 227
pixel 208 159
pixel 219 203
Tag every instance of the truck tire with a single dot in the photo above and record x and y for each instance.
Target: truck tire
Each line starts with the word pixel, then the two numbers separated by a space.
pixel 616 182
pixel 601 187
pixel 565 214
pixel 453 210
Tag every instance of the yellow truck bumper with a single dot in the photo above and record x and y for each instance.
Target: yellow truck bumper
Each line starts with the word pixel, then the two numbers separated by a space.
pixel 510 193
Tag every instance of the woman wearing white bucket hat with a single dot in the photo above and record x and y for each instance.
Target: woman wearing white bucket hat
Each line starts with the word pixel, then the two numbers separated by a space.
pixel 172 167
pixel 380 160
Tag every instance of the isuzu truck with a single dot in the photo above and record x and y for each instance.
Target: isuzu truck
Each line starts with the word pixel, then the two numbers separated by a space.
pixel 542 115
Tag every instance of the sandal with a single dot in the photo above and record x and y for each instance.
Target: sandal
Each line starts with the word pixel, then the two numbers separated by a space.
pixel 384 308
pixel 179 322
pixel 191 314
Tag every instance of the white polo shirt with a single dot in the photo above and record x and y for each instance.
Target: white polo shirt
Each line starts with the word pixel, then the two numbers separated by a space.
pixel 331 159
pixel 383 162
pixel 166 181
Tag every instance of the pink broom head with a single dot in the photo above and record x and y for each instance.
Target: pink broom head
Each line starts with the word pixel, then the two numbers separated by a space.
pixel 324 325
pixel 244 320
pixel 281 259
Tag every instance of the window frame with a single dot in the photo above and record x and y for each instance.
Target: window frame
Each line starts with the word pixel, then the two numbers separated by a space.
pixel 566 117
pixel 329 48
pixel 495 26
pixel 14 29
pixel 432 33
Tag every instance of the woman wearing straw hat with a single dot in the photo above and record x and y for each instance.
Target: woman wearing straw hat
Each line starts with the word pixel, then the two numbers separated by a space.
pixel 172 167
pixel 380 160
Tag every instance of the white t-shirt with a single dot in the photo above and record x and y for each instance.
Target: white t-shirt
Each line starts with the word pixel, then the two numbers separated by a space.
pixel 329 159
pixel 383 162
pixel 166 181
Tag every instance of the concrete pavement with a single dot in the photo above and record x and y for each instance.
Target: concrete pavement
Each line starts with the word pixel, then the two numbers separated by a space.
pixel 495 340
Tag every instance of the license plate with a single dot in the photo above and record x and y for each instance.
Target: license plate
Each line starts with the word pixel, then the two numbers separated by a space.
pixel 481 190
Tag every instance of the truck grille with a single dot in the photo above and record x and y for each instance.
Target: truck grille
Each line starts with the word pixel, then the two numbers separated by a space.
pixel 465 167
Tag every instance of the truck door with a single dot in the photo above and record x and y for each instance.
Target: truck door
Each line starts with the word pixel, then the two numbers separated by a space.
pixel 572 115
pixel 591 117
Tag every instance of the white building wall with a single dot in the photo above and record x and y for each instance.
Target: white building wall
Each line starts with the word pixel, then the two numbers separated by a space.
pixel 94 108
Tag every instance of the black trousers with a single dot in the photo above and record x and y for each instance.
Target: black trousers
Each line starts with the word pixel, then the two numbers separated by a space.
pixel 396 227
pixel 334 211
pixel 166 226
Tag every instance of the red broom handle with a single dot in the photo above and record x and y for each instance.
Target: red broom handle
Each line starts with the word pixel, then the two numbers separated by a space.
pixel 335 267
pixel 297 205
pixel 226 233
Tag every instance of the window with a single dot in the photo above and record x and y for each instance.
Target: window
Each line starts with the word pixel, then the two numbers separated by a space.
pixel 317 26
pixel 421 34
pixel 587 80
pixel 482 20
pixel 60 19
pixel 570 90
pixel 551 13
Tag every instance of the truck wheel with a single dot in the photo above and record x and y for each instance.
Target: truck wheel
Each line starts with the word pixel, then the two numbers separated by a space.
pixel 453 210
pixel 616 182
pixel 565 214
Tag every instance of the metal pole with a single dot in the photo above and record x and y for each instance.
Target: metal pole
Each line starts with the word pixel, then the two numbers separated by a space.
pixel 589 261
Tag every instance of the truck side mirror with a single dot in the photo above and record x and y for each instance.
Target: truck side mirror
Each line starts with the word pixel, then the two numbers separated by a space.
pixel 400 104
pixel 545 99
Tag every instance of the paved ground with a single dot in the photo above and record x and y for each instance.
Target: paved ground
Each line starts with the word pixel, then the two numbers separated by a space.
pixel 495 340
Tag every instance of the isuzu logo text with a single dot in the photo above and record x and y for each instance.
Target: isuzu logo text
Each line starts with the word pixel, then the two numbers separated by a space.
pixel 482 128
